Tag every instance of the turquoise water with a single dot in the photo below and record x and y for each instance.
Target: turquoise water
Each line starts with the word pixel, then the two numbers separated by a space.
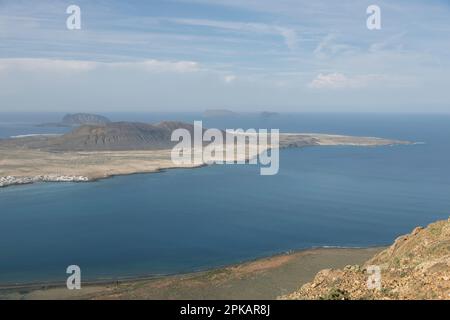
pixel 185 220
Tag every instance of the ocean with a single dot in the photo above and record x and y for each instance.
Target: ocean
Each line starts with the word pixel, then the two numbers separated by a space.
pixel 185 220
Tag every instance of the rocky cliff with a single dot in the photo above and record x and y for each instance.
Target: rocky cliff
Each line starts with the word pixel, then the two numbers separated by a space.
pixel 416 266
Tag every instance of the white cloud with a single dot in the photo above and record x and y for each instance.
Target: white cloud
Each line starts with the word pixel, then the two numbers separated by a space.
pixel 71 66
pixel 159 66
pixel 342 81
pixel 391 43
pixel 329 81
pixel 52 65
pixel 289 35
pixel 229 78
pixel 328 47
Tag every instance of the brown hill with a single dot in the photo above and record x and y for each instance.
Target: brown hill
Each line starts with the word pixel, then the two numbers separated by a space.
pixel 113 136
pixel 119 136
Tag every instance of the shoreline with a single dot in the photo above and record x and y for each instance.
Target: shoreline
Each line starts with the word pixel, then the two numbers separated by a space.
pixel 251 267
pixel 28 166
pixel 201 270
pixel 19 181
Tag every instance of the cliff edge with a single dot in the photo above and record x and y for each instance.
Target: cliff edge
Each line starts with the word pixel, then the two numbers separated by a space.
pixel 416 266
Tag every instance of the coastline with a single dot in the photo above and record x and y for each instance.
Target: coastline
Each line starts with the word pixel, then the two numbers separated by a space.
pixel 83 166
pixel 285 269
pixel 14 181
pixel 10 181
pixel 20 166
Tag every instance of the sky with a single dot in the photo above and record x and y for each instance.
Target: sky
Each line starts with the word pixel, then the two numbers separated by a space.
pixel 242 55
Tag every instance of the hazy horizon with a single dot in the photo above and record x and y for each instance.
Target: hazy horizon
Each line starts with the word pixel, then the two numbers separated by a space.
pixel 237 111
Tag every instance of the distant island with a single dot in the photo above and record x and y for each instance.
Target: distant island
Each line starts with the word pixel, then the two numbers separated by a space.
pixel 216 113
pixel 268 114
pixel 224 113
pixel 91 152
pixel 77 119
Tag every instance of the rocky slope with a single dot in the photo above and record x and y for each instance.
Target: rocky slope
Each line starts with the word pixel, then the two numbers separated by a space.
pixel 119 136
pixel 416 266
pixel 111 136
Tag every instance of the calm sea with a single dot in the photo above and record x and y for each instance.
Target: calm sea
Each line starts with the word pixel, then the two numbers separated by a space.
pixel 186 220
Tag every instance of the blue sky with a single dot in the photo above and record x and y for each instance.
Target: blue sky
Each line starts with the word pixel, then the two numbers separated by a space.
pixel 188 55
